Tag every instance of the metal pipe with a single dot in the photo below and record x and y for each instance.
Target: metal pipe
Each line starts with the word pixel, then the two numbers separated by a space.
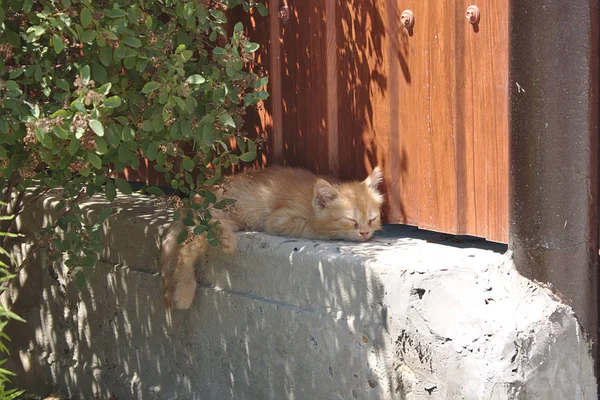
pixel 553 182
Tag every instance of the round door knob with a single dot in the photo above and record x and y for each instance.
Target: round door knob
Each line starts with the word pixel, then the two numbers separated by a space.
pixel 407 18
pixel 472 14
pixel 284 14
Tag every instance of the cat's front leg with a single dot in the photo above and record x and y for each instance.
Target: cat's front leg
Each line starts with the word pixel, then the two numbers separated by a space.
pixel 228 241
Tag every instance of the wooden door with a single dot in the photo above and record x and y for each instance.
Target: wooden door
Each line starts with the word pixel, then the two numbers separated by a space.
pixel 351 88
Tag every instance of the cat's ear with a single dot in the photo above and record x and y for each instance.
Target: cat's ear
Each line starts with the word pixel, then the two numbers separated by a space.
pixel 324 194
pixel 374 179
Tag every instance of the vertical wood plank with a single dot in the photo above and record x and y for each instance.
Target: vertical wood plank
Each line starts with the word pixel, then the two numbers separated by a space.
pixel 409 97
pixel 437 199
pixel 363 112
pixel 497 146
pixel 289 71
pixel 314 90
pixel 483 72
pixel 274 67
pixel 331 27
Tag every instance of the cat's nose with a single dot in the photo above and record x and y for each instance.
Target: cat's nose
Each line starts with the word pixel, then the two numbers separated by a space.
pixel 364 233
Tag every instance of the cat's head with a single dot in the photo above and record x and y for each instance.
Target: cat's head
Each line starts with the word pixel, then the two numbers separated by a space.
pixel 349 211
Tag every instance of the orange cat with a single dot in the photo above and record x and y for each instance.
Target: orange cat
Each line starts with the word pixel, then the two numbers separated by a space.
pixel 280 201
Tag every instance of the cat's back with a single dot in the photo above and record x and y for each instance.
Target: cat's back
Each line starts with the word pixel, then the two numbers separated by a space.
pixel 260 193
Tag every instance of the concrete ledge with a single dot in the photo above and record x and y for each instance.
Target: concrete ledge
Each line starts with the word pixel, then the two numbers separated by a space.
pixel 406 316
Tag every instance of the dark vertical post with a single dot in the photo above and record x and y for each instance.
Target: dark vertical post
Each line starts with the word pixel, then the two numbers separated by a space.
pixel 553 78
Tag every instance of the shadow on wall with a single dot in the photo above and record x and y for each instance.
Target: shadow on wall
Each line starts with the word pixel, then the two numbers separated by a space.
pixel 341 70
pixel 277 319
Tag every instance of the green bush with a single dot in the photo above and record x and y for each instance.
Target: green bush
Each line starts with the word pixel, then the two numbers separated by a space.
pixel 89 87
pixel 6 315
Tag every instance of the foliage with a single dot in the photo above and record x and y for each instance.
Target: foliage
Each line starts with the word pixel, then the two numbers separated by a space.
pixel 88 87
pixel 6 315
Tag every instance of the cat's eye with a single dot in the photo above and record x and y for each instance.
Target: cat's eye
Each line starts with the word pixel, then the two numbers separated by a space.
pixel 353 221
pixel 372 220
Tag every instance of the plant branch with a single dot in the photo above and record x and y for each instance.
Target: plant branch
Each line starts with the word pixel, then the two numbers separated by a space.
pixel 16 211
pixel 36 245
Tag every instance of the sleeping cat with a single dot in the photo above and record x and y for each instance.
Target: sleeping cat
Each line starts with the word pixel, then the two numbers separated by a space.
pixel 280 201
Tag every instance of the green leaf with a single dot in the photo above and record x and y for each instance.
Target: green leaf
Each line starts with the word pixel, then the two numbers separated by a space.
pixel 85 17
pixel 12 38
pixel 73 147
pixel 110 190
pixel 251 47
pixel 94 160
pixel 133 42
pixel 212 180
pixel 90 260
pixel 157 123
pixel 262 10
pixel 199 229
pixel 151 151
pixel 13 87
pixel 105 55
pixel 104 89
pixel 123 186
pixel 187 163
pixel 60 132
pixel 112 102
pixel 155 191
pixel 189 222
pixel 218 50
pixel 97 127
pixel 186 128
pixel 127 134
pixel 63 84
pixel 180 102
pixel 88 36
pixel 85 74
pixel 147 126
pixel 226 120
pixel 182 236
pixel 98 72
pixel 16 73
pixel 101 146
pixel 190 104
pixel 247 157
pixel 150 87
pixel 195 79
pixel 57 43
pixel 123 154
pixel 115 13
pixel 80 280
pixel 104 214
pixel 262 95
pixel 261 82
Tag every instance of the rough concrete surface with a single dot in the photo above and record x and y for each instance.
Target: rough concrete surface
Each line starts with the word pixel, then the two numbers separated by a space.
pixel 409 315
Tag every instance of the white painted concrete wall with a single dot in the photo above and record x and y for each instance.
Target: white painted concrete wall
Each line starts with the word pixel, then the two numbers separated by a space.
pixel 406 316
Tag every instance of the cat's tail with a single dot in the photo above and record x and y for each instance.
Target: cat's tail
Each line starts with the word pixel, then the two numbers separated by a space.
pixel 177 266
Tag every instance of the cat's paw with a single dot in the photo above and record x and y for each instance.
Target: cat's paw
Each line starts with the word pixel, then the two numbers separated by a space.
pixel 183 294
pixel 228 243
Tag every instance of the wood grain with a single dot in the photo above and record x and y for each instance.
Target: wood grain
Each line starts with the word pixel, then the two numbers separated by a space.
pixel 351 88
